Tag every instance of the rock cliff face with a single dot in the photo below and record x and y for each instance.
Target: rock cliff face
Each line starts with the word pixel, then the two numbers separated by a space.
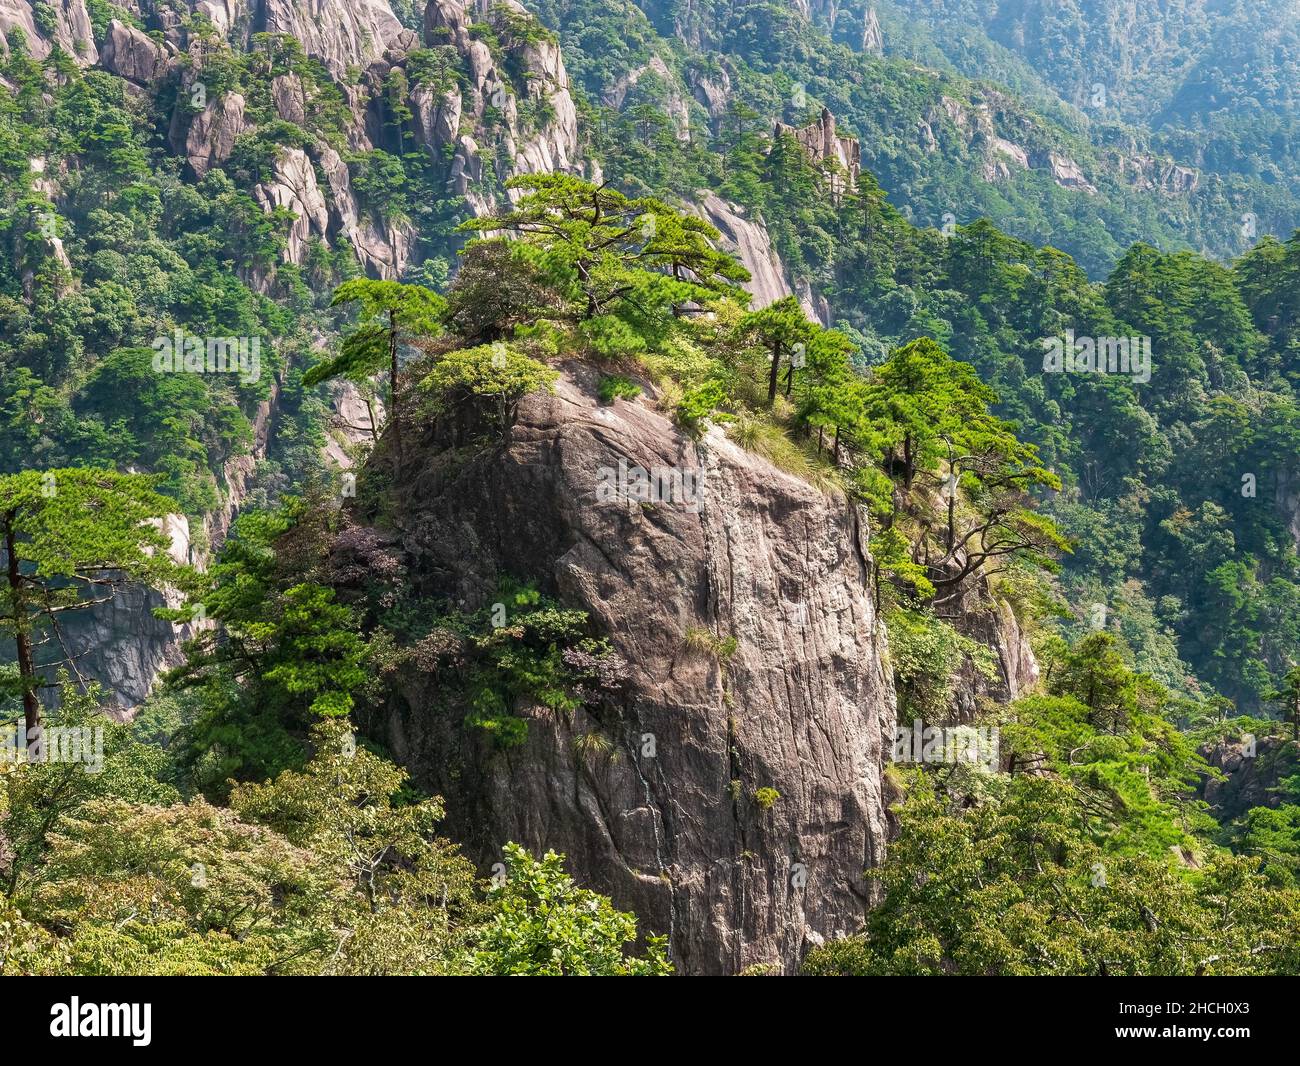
pixel 62 22
pixel 747 238
pixel 1003 151
pixel 667 821
pixel 120 643
pixel 340 33
pixel 673 103
pixel 873 38
pixel 991 623
pixel 133 54
pixel 1287 495
pixel 293 187
pixel 1149 172
pixel 210 136
pixel 1253 767
pixel 539 86
pixel 511 113
pixel 826 145
pixel 748 241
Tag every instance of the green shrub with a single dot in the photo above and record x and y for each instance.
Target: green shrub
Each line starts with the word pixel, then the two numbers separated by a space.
pixel 616 387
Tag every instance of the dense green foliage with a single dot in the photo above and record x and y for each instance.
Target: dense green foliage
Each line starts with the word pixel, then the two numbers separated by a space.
pixel 1075 861
pixel 543 925
pixel 130 255
pixel 934 134
pixel 1142 524
pixel 332 870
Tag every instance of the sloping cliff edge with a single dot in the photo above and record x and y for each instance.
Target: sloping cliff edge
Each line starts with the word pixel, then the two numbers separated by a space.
pixel 800 707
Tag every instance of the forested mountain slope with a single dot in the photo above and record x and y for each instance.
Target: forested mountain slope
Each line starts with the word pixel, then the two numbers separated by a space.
pixel 927 97
pixel 627 419
pixel 1210 83
pixel 1162 64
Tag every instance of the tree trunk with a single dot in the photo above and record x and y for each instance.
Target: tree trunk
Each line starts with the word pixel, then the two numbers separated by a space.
pixel 22 638
pixel 775 375
pixel 392 384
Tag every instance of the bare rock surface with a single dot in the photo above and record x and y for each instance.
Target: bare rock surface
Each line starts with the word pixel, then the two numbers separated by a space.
pixel 748 240
pixel 340 33
pixel 211 135
pixel 1013 669
pixel 71 29
pixel 119 643
pixel 825 144
pixel 1287 494
pixel 873 38
pixel 712 91
pixel 674 101
pixel 800 707
pixel 133 54
pixel 293 186
pixel 548 145
pixel 288 98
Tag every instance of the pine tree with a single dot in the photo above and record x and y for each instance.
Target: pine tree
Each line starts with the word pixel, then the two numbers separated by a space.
pixel 392 315
pixel 71 539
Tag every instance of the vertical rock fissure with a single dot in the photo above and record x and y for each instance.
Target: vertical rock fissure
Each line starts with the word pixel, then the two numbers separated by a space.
pixel 657 823
pixel 713 609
